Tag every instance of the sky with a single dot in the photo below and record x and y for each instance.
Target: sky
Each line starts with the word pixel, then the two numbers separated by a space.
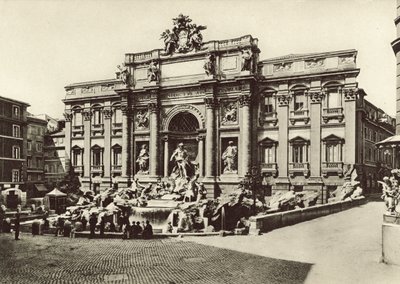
pixel 46 45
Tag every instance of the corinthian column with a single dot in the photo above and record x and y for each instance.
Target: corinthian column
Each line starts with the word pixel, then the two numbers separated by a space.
pixel 245 134
pixel 107 113
pixel 126 113
pixel 210 137
pixel 154 139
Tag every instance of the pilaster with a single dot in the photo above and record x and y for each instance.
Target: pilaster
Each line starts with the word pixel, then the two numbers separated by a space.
pixel 87 116
pixel 350 96
pixel 315 137
pixel 154 138
pixel 67 141
pixel 282 182
pixel 107 114
pixel 245 133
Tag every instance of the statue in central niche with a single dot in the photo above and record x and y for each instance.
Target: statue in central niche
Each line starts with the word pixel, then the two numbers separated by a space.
pixel 182 165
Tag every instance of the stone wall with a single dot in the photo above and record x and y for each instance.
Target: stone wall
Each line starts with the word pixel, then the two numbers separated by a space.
pixel 273 221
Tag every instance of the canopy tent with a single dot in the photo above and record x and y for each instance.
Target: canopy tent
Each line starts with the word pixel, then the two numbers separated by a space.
pixel 392 141
pixel 56 200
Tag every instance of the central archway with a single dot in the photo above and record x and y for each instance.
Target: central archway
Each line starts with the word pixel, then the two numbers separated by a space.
pixel 183 127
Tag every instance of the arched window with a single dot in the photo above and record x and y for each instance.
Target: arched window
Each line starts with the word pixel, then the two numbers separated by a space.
pixel 116 155
pixel 184 122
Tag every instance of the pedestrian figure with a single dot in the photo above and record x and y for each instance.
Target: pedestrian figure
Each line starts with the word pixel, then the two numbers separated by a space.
pixel 102 225
pixel 84 223
pixel 92 223
pixel 17 221
pixel 138 228
pixel 148 231
pixel 59 226
pixel 125 226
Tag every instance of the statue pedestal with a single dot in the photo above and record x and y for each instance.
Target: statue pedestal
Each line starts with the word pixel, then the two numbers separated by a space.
pixel 390 239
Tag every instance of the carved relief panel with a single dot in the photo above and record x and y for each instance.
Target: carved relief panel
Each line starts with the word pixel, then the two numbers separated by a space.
pixel 229 113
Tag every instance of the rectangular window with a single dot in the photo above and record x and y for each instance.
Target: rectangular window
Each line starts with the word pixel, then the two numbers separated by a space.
pixel 97 117
pixel 39 147
pixel 16 131
pixel 16 113
pixel 16 152
pixel 332 153
pixel 39 162
pixel 299 101
pixel 29 145
pixel 268 105
pixel 77 158
pixel 77 119
pixel 117 157
pixel 15 175
pixel 297 153
pixel 333 99
pixel 96 158
pixel 29 162
pixel 117 116
pixel 268 155
pixel 29 177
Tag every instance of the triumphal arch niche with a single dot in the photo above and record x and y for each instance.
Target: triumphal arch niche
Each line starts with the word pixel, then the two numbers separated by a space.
pixel 190 95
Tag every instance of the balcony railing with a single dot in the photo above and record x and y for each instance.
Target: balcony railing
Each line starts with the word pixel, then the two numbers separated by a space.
pixel 116 168
pixel 97 169
pixel 116 128
pixel 333 168
pixel 298 115
pixel 299 168
pixel 332 113
pixel 97 129
pixel 269 169
pixel 78 169
pixel 77 130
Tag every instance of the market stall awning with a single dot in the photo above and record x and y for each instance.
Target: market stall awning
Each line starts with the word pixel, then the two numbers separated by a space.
pixel 392 141
pixel 41 188
pixel 56 192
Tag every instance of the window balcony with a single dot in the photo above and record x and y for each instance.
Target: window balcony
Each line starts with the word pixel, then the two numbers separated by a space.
pixel 332 168
pixel 97 129
pixel 78 169
pixel 77 130
pixel 116 169
pixel 117 128
pixel 299 115
pixel 269 169
pixel 269 118
pixel 299 168
pixel 332 113
pixel 97 169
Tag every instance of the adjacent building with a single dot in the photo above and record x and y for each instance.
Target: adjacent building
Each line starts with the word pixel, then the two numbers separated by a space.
pixel 13 134
pixel 55 168
pixel 301 119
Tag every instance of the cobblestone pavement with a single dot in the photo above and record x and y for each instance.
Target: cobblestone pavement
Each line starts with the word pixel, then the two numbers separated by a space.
pixel 48 259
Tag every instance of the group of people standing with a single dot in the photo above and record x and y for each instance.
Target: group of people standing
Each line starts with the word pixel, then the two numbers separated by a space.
pixel 390 192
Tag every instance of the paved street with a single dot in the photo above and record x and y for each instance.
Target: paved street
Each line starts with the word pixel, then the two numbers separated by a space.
pixel 344 247
pixel 46 259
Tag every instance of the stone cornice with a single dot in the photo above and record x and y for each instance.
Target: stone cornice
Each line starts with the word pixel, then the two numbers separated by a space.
pixel 290 77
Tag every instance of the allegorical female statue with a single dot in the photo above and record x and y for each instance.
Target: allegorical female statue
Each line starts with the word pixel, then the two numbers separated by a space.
pixel 230 158
pixel 143 159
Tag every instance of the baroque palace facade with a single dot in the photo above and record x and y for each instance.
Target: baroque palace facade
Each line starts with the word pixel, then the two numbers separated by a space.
pixel 300 119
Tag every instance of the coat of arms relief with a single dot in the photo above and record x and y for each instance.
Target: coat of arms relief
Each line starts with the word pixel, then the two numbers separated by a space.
pixel 184 36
